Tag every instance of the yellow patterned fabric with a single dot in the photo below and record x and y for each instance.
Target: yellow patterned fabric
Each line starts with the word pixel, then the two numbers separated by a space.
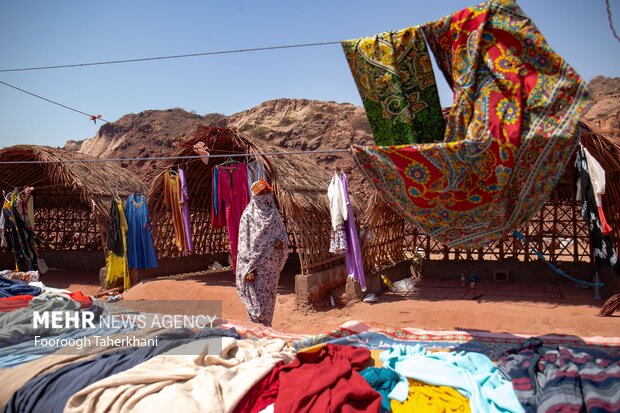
pixel 424 398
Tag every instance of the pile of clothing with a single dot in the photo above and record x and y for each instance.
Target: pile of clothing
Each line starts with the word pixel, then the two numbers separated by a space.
pixel 226 370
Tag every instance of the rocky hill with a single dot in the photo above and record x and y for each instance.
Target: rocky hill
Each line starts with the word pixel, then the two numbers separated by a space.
pixel 296 124
pixel 605 112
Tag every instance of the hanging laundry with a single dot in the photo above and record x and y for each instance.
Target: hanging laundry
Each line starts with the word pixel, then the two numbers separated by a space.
pixel 511 131
pixel 597 179
pixel 185 210
pixel 172 199
pixel 353 256
pixel 602 249
pixel 2 226
pixel 140 249
pixel 338 211
pixel 116 256
pixel 394 76
pixel 19 235
pixel 232 198
pixel 217 220
pixel 256 172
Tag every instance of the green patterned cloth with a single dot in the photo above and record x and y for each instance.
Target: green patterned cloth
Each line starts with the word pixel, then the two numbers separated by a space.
pixel 395 79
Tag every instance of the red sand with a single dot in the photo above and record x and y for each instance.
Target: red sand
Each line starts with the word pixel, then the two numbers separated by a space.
pixel 575 314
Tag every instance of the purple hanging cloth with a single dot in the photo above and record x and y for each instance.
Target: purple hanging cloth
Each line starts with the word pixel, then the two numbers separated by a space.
pixel 185 210
pixel 353 256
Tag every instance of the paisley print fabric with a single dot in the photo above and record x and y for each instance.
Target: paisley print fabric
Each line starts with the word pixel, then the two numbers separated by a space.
pixel 509 136
pixel 260 228
pixel 395 79
pixel 338 240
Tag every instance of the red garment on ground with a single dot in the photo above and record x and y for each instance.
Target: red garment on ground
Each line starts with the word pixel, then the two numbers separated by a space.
pixel 327 381
pixel 14 303
pixel 262 394
pixel 20 301
pixel 84 300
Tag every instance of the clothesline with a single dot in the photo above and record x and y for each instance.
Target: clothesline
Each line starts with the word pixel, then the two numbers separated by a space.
pixel 179 56
pixel 164 158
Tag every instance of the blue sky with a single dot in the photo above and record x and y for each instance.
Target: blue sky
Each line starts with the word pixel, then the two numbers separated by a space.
pixel 38 33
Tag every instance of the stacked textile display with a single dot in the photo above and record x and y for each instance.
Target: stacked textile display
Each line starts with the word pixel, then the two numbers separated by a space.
pixel 354 368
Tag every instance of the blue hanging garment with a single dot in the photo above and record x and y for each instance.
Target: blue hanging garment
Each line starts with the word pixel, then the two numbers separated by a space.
pixel 140 250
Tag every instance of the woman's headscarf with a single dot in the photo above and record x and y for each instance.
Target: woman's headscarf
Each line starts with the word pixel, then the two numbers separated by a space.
pixel 260 227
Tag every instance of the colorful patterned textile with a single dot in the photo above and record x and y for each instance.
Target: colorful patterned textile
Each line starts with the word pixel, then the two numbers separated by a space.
pixel 511 131
pixel 395 79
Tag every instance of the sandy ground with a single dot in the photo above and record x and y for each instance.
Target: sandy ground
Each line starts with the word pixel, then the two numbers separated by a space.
pixel 574 314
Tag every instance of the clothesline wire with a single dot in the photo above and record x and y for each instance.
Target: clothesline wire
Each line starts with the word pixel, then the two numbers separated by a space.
pixel 178 56
pixel 611 22
pixel 51 101
pixel 164 158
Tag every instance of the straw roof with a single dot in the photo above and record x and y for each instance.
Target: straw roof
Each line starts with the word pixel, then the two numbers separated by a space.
pixel 93 184
pixel 296 180
pixel 300 187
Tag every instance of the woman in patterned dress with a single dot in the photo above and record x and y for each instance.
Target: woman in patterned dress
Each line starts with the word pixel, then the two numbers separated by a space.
pixel 262 253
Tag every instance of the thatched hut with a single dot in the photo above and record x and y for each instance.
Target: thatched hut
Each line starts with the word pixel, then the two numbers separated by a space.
pixel 301 196
pixel 557 230
pixel 71 199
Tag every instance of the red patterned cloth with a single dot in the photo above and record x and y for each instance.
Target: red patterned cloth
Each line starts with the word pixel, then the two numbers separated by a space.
pixel 511 131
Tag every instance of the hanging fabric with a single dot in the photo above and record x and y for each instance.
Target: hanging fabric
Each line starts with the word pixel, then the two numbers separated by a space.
pixel 216 220
pixel 338 211
pixel 256 172
pixel 232 198
pixel 116 256
pixel 353 256
pixel 2 234
pixel 602 249
pixel 395 79
pixel 19 235
pixel 172 199
pixel 187 226
pixel 511 131
pixel 597 178
pixel 140 249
